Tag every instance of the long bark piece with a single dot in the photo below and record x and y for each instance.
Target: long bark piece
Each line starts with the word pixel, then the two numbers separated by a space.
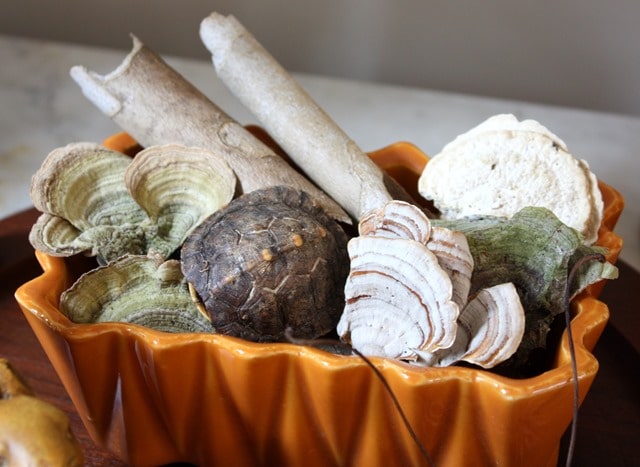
pixel 308 135
pixel 156 105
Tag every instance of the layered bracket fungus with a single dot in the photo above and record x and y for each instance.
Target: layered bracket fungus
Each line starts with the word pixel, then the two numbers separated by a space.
pixel 178 187
pixel 407 295
pixel 269 262
pixel 490 328
pixel 32 431
pixel 480 290
pixel 391 309
pixel 492 285
pixel 85 204
pixel 102 203
pixel 142 290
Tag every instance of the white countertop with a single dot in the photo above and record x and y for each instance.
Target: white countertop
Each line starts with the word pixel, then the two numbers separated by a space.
pixel 42 108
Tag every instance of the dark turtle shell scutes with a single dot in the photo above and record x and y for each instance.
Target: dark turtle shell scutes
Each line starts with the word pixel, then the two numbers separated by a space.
pixel 270 260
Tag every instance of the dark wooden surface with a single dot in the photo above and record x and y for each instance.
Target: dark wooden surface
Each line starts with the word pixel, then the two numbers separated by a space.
pixel 608 423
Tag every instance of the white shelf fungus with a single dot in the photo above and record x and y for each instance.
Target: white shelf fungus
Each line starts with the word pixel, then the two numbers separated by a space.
pixel 407 284
pixel 504 165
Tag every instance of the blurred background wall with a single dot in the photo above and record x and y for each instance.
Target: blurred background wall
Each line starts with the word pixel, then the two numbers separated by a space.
pixel 579 53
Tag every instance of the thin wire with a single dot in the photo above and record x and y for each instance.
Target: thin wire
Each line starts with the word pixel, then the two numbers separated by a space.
pixel 572 353
pixel 576 390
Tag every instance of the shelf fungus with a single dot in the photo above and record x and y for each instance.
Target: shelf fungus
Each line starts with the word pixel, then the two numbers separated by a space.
pixel 535 251
pixel 178 187
pixel 487 334
pixel 98 202
pixel 407 295
pixel 396 220
pixel 504 165
pixel 271 261
pixel 390 308
pixel 85 204
pixel 136 289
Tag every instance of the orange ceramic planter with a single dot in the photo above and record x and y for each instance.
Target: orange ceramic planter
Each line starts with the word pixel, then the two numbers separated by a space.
pixel 154 398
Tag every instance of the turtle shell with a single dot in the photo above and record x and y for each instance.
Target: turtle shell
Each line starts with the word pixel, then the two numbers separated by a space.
pixel 270 260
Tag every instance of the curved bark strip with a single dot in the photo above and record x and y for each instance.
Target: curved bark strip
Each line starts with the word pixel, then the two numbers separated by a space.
pixel 308 135
pixel 156 105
